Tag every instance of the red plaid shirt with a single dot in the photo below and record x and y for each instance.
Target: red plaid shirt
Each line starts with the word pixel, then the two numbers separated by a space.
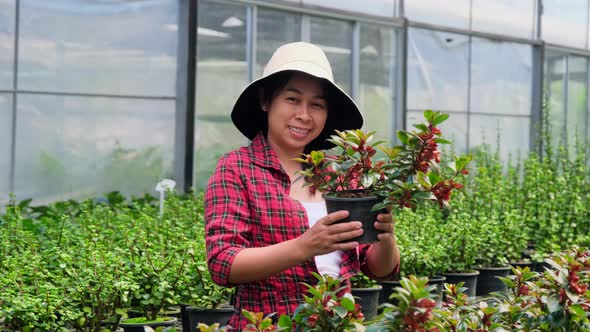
pixel 247 205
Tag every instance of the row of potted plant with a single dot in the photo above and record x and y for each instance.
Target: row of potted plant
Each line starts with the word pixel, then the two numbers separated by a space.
pixel 556 300
pixel 539 203
pixel 98 264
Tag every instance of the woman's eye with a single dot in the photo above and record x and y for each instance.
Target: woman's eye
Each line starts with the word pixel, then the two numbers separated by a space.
pixel 320 106
pixel 292 99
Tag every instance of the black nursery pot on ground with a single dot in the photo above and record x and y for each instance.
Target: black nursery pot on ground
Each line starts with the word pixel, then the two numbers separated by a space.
pixel 469 278
pixel 192 316
pixel 359 209
pixel 139 325
pixel 488 280
pixel 368 299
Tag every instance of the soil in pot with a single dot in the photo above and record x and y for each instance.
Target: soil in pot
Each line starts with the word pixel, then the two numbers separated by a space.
pixel 359 209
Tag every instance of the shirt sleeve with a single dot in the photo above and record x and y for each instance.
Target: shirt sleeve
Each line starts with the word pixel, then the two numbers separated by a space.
pixel 364 265
pixel 227 219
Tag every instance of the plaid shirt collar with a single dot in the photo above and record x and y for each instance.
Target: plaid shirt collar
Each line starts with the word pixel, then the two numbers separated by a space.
pixel 262 154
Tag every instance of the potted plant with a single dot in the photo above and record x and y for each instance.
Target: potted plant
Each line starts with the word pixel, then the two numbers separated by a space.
pixel 366 291
pixel 413 310
pixel 325 309
pixel 30 297
pixel 421 243
pixel 353 177
pixel 203 301
pixel 157 259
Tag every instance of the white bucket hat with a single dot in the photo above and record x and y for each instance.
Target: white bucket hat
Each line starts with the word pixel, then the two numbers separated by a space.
pixel 343 113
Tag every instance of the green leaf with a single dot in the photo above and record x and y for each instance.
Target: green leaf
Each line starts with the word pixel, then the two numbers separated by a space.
pixel 553 303
pixel 285 321
pixel 317 157
pixel 578 310
pixel 429 116
pixel 340 311
pixel 367 180
pixel 421 126
pixel 265 324
pixel 403 137
pixel 249 315
pixel 572 296
pixel 440 118
pixel 442 141
pixel 463 160
pixel 423 180
pixel 347 303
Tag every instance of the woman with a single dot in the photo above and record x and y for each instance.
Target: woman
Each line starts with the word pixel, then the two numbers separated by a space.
pixel 265 232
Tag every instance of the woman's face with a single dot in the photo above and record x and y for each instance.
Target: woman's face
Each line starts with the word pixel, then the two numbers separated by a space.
pixel 296 114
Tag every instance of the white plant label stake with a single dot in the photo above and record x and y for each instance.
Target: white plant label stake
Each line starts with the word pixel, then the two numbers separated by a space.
pixel 161 187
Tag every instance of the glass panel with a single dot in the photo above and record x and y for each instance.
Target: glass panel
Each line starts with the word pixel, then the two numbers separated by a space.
pixel 554 86
pixel 454 129
pixel 7 13
pixel 564 22
pixel 513 134
pixel 437 70
pixel 439 12
pixel 335 38
pixel 508 17
pixel 577 100
pixel 122 47
pixel 376 86
pixel 222 73
pixel 371 7
pixel 6 138
pixel 274 29
pixel 501 77
pixel 75 147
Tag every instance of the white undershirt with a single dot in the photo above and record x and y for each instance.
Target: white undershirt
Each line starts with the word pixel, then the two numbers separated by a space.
pixel 329 263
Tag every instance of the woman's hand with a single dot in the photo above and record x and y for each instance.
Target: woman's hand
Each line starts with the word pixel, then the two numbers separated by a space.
pixel 325 235
pixel 386 224
pixel 383 256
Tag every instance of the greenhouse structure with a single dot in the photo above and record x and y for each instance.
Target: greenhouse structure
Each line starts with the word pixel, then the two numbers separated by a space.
pixel 97 95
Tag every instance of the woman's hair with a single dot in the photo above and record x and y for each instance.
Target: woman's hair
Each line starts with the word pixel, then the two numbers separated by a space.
pixel 272 87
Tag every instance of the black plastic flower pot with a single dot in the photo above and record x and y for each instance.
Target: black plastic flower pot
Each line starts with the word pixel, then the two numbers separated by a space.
pixel 359 209
pixel 469 279
pixel 541 267
pixel 196 315
pixel 522 265
pixel 368 299
pixel 488 280
pixel 134 325
pixel 388 288
pixel 438 282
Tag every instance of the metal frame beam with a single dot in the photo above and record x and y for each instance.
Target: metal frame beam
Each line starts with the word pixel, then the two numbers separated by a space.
pixel 184 137
pixel 12 175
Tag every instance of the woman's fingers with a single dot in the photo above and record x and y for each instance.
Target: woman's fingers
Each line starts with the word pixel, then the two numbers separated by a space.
pixel 344 246
pixel 344 227
pixel 343 236
pixel 384 226
pixel 333 217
